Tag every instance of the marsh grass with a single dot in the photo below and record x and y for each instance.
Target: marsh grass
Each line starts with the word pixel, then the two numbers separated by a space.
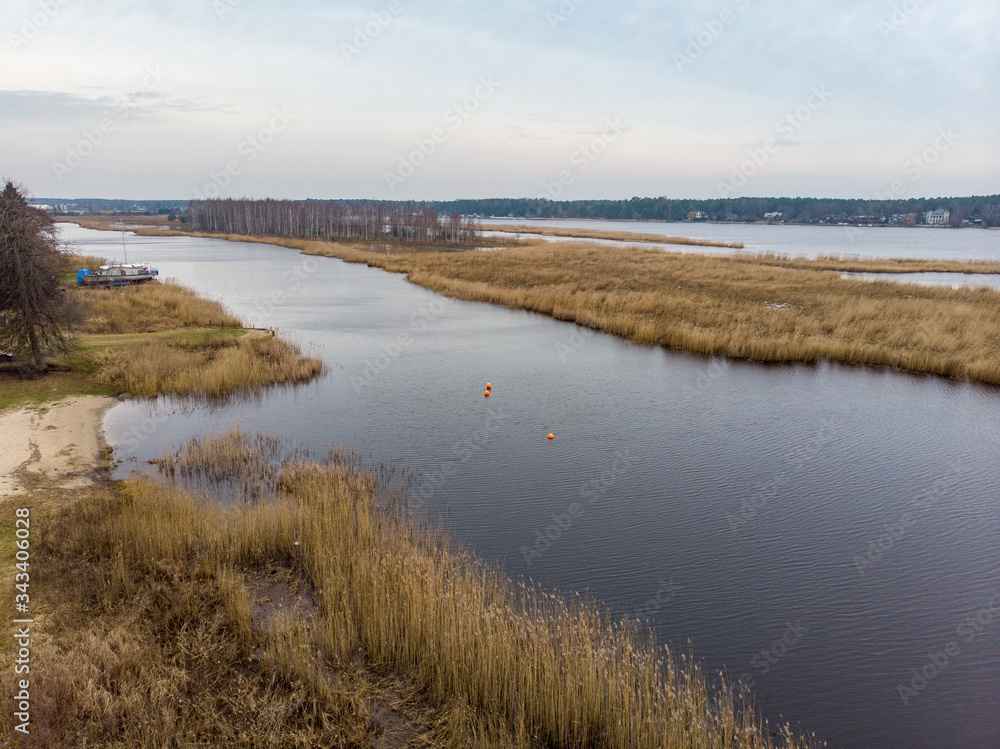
pixel 771 308
pixel 618 236
pixel 731 305
pixel 149 308
pixel 232 464
pixel 850 264
pixel 215 369
pixel 158 338
pixel 154 642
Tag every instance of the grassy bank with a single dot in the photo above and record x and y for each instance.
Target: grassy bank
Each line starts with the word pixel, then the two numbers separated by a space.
pixel 154 226
pixel 732 305
pixel 765 308
pixel 158 338
pixel 876 265
pixel 618 236
pixel 324 618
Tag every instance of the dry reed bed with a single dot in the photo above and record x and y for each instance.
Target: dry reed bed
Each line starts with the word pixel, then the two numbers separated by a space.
pixel 770 308
pixel 842 263
pixel 214 368
pixel 236 462
pixel 619 236
pixel 150 308
pixel 720 305
pixel 170 652
pixel 209 359
pixel 144 637
pixel 848 264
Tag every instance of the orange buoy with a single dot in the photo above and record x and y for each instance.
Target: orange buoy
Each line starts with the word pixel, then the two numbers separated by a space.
pixel 552 436
pixel 489 385
pixel 487 393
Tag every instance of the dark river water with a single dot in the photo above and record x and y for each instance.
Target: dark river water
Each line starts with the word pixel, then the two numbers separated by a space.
pixel 829 534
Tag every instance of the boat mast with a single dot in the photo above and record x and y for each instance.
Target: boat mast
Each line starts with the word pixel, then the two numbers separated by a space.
pixel 121 223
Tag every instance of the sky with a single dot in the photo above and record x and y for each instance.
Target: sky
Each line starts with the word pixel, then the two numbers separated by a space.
pixel 566 99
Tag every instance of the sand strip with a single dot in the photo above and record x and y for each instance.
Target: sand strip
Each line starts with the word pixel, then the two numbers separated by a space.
pixel 58 442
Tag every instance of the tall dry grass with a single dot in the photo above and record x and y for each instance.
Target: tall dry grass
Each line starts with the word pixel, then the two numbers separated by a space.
pixel 769 308
pixel 849 264
pixel 147 641
pixel 248 465
pixel 722 305
pixel 618 236
pixel 197 349
pixel 162 645
pixel 150 308
pixel 215 368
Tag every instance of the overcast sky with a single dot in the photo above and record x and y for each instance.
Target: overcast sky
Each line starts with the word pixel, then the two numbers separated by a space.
pixel 507 98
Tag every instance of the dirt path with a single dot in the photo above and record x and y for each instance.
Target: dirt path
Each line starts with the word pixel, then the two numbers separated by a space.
pixel 55 444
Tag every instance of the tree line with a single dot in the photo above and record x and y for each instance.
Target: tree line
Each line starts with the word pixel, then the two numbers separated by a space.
pixel 797 210
pixel 360 220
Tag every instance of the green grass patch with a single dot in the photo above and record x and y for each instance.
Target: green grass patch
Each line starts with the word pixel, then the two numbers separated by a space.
pixel 53 386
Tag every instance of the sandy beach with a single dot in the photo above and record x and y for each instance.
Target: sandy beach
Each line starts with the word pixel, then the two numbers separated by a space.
pixel 57 445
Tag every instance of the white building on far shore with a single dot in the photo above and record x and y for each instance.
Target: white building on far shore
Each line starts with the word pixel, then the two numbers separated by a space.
pixel 937 218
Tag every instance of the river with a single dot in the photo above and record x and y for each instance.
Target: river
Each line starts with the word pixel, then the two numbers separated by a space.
pixel 829 534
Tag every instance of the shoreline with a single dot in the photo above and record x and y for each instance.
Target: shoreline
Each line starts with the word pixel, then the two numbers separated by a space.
pixel 52 446
pixel 836 263
pixel 685 222
pixel 783 310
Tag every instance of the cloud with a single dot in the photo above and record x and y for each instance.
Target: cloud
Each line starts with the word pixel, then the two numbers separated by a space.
pixel 57 108
pixel 566 65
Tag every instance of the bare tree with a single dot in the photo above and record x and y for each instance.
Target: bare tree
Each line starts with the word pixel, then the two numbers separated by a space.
pixel 361 220
pixel 31 301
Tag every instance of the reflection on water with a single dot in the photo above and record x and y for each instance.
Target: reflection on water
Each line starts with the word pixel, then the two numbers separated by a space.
pixel 818 531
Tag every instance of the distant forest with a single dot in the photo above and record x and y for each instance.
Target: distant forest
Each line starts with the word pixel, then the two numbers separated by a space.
pixel 979 210
pixel 798 210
